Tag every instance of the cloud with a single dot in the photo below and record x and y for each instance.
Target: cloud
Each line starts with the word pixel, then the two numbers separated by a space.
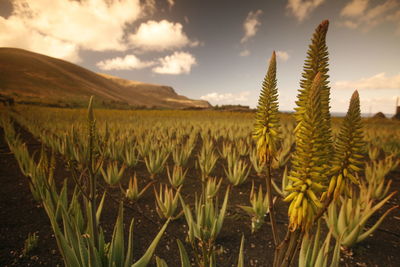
pixel 226 97
pixel 358 14
pixel 251 24
pixel 354 8
pixel 283 55
pixel 128 62
pixel 301 9
pixel 61 28
pixel 244 53
pixel 378 81
pixel 177 63
pixel 160 36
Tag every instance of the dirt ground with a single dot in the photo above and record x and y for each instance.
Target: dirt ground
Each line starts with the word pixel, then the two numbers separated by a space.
pixel 20 215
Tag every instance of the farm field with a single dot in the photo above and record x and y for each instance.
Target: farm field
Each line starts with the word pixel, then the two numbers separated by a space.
pixel 182 151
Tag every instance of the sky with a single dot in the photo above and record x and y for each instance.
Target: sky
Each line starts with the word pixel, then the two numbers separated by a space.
pixel 218 50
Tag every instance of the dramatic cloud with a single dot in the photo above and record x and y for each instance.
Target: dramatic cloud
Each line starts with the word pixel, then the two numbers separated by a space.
pixel 61 28
pixel 359 14
pixel 160 36
pixel 282 55
pixel 128 62
pixel 378 81
pixel 301 9
pixel 227 97
pixel 177 63
pixel 251 25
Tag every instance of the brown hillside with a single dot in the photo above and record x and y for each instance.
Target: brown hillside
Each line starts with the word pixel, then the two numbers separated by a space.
pixel 32 77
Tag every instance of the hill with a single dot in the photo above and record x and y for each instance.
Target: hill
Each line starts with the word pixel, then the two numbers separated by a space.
pixel 29 77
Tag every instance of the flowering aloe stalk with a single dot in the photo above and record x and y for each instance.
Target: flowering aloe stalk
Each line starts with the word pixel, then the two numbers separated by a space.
pixel 317 62
pixel 350 147
pixel 266 131
pixel 308 173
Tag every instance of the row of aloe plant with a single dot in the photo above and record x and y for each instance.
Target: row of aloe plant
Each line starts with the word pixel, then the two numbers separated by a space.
pixel 75 219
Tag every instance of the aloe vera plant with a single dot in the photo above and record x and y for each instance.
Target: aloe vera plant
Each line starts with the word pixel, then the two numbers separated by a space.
pixel 313 253
pixel 349 224
pixel 155 162
pixel 206 160
pixel 130 157
pixel 375 174
pixel 257 164
pixel 113 173
pixel 182 153
pixel 132 192
pixel 258 209
pixel 204 227
pixel 212 187
pixel 30 244
pixel 167 202
pixel 237 172
pixel 177 177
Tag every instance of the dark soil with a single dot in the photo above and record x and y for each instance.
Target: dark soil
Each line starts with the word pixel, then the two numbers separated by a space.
pixel 20 215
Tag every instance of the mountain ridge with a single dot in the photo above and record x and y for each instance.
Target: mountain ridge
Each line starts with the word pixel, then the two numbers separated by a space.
pixel 30 77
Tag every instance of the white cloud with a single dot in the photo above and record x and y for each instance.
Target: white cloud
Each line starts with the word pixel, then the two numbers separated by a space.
pixel 61 28
pixel 359 14
pixel 244 53
pixel 378 81
pixel 177 63
pixel 251 24
pixel 128 62
pixel 226 97
pixel 354 8
pixel 160 36
pixel 283 55
pixel 301 9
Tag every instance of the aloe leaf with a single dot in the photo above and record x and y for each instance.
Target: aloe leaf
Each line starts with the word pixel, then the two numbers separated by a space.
pixel 160 262
pixel 241 257
pixel 145 259
pixel 375 208
pixel 351 238
pixel 222 211
pixel 183 254
pixel 100 208
pixel 129 252
pixel 116 253
pixel 376 225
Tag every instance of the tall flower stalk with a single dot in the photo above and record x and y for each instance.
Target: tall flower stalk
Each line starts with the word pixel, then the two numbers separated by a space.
pixel 266 131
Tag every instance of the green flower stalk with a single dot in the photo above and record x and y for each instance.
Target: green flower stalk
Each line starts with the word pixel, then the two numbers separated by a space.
pixel 350 146
pixel 308 171
pixel 317 62
pixel 266 128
